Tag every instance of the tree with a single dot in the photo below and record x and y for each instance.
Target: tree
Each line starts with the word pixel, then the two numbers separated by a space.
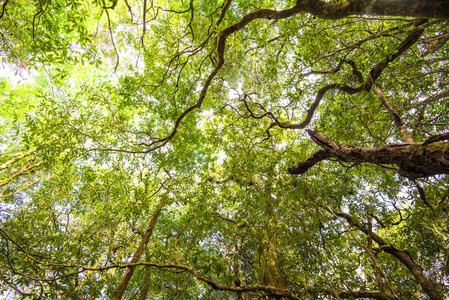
pixel 225 150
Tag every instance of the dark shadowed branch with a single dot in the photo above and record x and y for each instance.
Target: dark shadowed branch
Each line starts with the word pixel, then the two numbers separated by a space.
pixel 414 160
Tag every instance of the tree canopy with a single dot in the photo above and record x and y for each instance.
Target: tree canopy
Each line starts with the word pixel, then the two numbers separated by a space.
pixel 231 149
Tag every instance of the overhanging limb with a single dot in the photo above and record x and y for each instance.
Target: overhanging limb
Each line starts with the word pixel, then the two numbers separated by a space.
pixel 413 160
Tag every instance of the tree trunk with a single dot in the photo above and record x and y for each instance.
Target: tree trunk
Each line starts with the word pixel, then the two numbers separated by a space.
pixel 146 284
pixel 272 274
pixel 271 270
pixel 121 287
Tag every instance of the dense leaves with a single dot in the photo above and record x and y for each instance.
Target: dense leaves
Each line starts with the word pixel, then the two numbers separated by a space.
pixel 152 153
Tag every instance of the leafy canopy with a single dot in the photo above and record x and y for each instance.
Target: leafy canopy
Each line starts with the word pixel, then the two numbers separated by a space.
pixel 159 150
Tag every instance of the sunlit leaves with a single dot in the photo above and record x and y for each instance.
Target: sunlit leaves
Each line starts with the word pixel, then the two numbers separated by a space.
pixel 113 121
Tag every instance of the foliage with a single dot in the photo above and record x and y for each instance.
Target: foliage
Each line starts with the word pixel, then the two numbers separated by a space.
pixel 149 155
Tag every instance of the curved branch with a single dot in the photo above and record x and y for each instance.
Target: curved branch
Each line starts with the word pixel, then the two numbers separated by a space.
pixel 227 219
pixel 112 39
pixel 422 195
pixel 428 285
pixel 311 111
pixel 221 47
pixel 113 5
pixel 216 286
pixel 321 9
pixel 366 85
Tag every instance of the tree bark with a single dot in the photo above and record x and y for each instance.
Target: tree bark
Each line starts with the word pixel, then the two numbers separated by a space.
pixel 121 287
pixel 414 160
pixel 271 270
pixel 427 285
pixel 438 9
pixel 146 284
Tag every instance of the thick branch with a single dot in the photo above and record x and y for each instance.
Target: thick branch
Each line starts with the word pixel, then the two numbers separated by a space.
pixel 305 165
pixel 437 138
pixel 3 8
pixel 414 160
pixel 438 9
pixel 322 10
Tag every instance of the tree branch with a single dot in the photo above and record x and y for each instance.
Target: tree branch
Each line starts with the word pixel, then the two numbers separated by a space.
pixel 3 8
pixel 396 118
pixel 121 287
pixel 414 160
pixel 428 286
pixel 319 8
pixel 412 8
pixel 431 99
pixel 16 159
pixel 366 85
pixel 224 218
pixel 437 138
